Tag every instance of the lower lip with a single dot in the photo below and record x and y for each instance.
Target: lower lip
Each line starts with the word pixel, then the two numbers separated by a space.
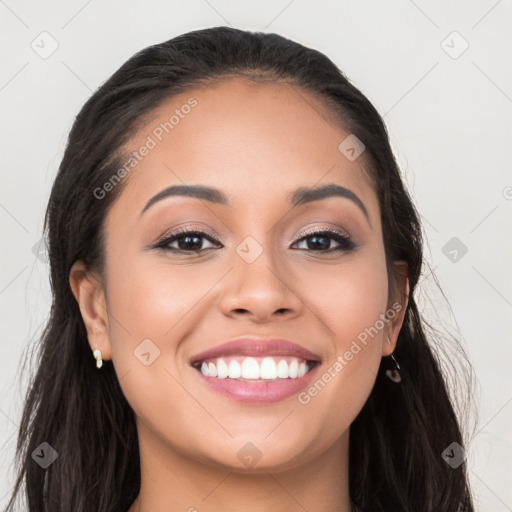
pixel 258 392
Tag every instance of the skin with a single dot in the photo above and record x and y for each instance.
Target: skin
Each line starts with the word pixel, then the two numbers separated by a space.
pixel 257 143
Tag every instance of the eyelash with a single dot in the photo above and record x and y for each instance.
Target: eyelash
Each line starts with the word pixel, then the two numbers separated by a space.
pixel 346 244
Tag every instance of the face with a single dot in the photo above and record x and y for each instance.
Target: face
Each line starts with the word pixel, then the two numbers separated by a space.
pixel 254 265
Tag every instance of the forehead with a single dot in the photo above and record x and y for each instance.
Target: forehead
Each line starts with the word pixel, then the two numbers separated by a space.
pixel 255 141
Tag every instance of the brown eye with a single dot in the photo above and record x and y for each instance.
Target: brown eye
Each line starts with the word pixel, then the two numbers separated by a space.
pixel 188 240
pixel 320 241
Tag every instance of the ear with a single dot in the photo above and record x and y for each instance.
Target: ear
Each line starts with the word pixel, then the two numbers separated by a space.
pixel 89 293
pixel 396 309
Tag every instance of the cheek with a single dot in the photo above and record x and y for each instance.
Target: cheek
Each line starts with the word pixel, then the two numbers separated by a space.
pixel 150 299
pixel 350 299
pixel 349 302
pixel 152 309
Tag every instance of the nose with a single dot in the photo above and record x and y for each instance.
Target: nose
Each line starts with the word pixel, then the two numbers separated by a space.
pixel 260 291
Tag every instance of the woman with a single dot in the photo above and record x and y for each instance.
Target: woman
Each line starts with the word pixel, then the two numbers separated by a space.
pixel 233 264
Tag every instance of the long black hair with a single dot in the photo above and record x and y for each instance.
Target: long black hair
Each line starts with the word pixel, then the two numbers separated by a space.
pixel 399 439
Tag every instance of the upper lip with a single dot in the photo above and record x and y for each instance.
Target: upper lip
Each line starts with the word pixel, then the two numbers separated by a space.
pixel 257 347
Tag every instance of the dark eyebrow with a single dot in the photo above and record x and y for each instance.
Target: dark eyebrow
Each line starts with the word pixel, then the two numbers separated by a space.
pixel 305 195
pixel 198 191
pixel 301 196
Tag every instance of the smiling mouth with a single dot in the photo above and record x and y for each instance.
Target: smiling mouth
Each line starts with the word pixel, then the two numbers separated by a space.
pixel 255 369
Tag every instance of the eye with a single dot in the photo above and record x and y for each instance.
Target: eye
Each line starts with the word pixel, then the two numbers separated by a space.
pixel 188 240
pixel 321 240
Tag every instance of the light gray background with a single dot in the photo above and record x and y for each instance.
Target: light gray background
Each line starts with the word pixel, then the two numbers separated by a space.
pixel 449 120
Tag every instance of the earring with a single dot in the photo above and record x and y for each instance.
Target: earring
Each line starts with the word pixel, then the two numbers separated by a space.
pixel 394 373
pixel 97 356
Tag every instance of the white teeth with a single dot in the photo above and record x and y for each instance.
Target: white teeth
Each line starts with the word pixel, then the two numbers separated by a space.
pixel 293 369
pixel 222 369
pixel 268 368
pixel 282 369
pixel 250 368
pixel 212 369
pixel 235 370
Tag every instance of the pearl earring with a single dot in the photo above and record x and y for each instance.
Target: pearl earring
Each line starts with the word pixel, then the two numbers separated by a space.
pixel 97 356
